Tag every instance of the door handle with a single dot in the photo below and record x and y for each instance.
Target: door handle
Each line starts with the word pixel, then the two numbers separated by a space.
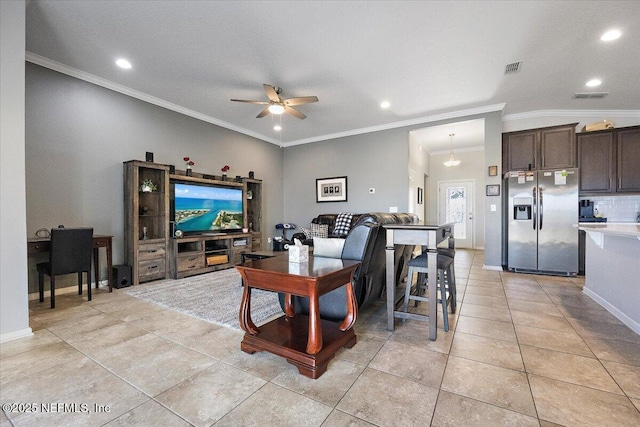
pixel 541 208
pixel 534 216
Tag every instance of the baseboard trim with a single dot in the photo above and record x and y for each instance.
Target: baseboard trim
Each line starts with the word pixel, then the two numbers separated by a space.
pixel 632 324
pixel 492 267
pixel 65 290
pixel 15 335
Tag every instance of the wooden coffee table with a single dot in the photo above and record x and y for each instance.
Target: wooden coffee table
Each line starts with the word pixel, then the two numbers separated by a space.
pixel 307 342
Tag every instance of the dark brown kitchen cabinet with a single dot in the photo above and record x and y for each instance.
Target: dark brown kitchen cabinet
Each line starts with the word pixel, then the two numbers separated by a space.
pixel 628 160
pixel 544 148
pixel 520 150
pixel 609 161
pixel 596 162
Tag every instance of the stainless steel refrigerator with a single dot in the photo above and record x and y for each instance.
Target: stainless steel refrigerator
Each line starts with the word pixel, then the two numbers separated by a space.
pixel 542 212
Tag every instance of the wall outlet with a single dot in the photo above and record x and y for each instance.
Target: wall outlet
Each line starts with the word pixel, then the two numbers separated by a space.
pixel 393 209
pixel 493 208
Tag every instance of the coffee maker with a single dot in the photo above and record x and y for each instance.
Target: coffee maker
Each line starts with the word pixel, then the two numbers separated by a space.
pixel 586 209
pixel 587 212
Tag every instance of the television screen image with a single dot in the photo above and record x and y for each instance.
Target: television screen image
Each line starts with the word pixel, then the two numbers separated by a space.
pixel 200 208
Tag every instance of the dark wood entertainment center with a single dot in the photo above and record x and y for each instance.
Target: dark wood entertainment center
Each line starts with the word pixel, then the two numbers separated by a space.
pixel 150 248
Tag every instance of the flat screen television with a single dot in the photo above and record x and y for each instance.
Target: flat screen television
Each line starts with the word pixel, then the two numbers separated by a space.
pixel 202 209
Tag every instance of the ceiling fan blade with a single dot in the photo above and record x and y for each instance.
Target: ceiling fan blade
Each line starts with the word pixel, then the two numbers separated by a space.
pixel 294 112
pixel 251 102
pixel 271 93
pixel 263 113
pixel 300 100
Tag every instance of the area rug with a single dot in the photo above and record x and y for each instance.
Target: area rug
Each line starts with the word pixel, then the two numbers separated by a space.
pixel 214 297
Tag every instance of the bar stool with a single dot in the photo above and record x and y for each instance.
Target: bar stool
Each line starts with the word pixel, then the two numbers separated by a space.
pixel 451 287
pixel 445 266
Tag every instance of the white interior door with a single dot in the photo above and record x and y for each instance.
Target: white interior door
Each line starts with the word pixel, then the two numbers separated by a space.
pixel 455 204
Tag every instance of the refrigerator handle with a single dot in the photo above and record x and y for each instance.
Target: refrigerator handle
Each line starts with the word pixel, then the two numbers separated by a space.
pixel 535 210
pixel 541 206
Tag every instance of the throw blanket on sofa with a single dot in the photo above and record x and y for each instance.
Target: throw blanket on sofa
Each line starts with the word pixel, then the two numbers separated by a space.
pixel 343 224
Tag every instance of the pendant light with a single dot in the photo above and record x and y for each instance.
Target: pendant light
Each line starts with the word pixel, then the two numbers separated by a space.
pixel 452 161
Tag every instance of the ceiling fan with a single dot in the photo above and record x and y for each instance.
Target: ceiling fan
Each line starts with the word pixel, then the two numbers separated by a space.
pixel 277 105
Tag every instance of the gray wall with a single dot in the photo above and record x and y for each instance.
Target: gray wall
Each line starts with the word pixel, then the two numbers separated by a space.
pixel 78 134
pixel 375 160
pixel 492 219
pixel 14 310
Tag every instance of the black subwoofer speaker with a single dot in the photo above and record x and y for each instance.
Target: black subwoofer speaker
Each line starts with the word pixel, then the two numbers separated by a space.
pixel 121 276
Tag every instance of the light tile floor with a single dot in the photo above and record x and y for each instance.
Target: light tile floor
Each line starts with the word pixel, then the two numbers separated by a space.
pixel 522 350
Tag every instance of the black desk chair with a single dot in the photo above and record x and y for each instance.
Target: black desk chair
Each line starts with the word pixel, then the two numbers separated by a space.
pixel 71 250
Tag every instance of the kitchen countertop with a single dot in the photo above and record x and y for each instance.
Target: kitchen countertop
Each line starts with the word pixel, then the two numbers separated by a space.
pixel 621 229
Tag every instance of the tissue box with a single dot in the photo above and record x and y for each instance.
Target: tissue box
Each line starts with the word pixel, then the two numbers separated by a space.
pixel 299 253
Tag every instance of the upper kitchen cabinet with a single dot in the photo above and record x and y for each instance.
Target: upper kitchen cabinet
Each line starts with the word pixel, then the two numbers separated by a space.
pixel 609 161
pixel 544 148
pixel 628 160
pixel 596 162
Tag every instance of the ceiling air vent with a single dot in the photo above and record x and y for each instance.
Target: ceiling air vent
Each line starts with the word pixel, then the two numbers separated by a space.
pixel 512 68
pixel 590 95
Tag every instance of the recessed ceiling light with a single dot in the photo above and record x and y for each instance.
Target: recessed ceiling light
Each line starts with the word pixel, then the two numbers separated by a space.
pixel 610 35
pixel 277 128
pixel 123 63
pixel 594 82
pixel 385 104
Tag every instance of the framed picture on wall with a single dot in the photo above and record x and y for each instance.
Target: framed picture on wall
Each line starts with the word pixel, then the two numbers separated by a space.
pixel 331 189
pixel 493 190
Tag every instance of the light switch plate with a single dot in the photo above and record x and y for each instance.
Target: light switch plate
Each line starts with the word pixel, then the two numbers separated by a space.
pixel 494 208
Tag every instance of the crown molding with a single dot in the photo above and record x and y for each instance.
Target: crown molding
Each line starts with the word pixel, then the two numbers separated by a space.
pixel 108 84
pixel 597 114
pixel 417 121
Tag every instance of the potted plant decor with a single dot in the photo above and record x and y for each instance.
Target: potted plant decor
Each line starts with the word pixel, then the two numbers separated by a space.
pixel 148 186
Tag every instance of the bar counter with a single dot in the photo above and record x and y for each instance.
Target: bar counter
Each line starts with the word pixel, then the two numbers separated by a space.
pixel 612 275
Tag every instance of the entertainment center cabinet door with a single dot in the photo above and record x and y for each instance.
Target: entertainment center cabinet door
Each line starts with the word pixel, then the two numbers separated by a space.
pixel 151 261
pixel 190 261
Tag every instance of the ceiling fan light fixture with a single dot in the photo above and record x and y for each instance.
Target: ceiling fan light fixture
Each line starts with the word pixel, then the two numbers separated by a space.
pixel 452 161
pixel 276 109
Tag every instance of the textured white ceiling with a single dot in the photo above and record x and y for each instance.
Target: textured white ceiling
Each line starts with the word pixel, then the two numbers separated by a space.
pixel 426 58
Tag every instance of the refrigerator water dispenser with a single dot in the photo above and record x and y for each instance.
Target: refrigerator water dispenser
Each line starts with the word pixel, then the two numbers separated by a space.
pixel 522 208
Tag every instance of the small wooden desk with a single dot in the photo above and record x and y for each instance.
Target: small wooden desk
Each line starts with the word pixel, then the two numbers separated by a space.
pixel 307 342
pixel 35 245
pixel 427 236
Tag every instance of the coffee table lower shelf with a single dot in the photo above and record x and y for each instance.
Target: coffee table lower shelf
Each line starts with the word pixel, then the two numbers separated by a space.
pixel 287 337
